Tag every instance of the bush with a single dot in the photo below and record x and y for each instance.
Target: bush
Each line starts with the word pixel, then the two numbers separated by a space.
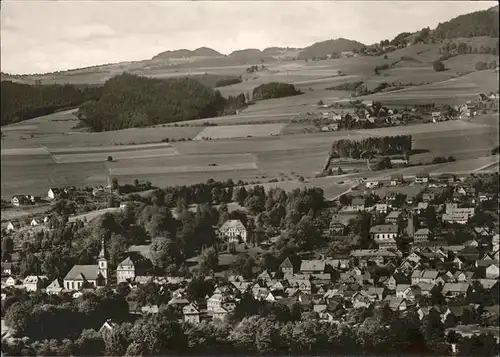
pixel 438 66
pixel 480 66
pixel 227 82
pixel 320 102
pixel 110 158
pixel 301 179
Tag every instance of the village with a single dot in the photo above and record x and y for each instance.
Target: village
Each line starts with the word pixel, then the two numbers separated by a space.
pixel 409 264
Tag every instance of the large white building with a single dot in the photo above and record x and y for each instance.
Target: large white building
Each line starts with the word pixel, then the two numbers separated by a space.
pixel 233 230
pixel 385 235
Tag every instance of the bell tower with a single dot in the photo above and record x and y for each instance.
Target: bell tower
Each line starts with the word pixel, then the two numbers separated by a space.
pixel 103 261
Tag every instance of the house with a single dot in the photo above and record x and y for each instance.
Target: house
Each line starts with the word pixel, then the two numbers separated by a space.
pixel 396 180
pixel 191 313
pixel 55 287
pixel 469 253
pixel 429 277
pixel 20 200
pixel 492 271
pixel 425 276
pixel 428 196
pixel 135 264
pixel 378 256
pixel 395 303
pixel 54 193
pixel 88 275
pixel 372 184
pixel 385 235
pixel 484 197
pixel 331 127
pixel 455 289
pixel 358 203
pixel 11 226
pixel 312 267
pixel 446 178
pixel 35 282
pixel 6 268
pixel 337 228
pixel 461 218
pixel 393 217
pixel 397 279
pixel 220 313
pixel 381 208
pixel 422 178
pixel 265 276
pixel 421 236
pixel 12 281
pixel 436 116
pixel 233 230
pixel 286 267
pixel 421 207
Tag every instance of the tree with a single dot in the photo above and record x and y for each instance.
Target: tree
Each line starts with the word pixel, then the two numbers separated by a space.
pixel 438 66
pixel 480 66
pixel 117 248
pixel 110 158
pixel 114 184
pixel 209 261
pixel 165 253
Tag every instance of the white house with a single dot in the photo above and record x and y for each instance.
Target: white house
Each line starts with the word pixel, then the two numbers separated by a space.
pixel 372 184
pixel 385 235
pixel 233 229
pixel 492 271
pixel 35 282
pixel 54 193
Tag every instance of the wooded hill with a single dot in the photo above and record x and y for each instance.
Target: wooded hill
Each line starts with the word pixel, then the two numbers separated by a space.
pixel 23 101
pixel 129 101
pixel 324 48
pixel 475 24
pixel 199 52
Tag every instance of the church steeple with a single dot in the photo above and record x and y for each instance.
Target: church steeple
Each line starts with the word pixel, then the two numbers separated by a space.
pixel 103 260
pixel 103 253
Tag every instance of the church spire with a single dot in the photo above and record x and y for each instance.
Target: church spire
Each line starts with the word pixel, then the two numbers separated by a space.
pixel 103 254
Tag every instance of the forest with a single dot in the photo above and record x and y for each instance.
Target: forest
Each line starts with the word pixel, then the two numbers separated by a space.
pixel 385 145
pixel 24 101
pixel 479 23
pixel 274 90
pixel 129 101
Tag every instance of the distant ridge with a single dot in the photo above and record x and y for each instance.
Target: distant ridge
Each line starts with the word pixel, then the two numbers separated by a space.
pixel 324 48
pixel 199 52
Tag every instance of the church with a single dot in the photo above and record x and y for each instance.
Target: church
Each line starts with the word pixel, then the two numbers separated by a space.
pixel 88 275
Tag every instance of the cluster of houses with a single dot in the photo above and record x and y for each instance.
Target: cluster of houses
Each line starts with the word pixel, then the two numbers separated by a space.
pixel 469 109
pixel 332 286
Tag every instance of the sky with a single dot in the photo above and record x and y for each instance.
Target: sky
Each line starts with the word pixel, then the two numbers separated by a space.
pixel 43 36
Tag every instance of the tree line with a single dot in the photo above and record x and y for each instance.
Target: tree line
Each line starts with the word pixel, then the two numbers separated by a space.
pixel 274 90
pixel 132 101
pixel 23 101
pixel 384 145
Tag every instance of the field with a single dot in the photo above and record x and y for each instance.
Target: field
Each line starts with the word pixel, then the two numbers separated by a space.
pixel 239 131
pixel 259 144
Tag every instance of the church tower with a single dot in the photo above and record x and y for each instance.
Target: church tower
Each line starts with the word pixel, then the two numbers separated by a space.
pixel 103 261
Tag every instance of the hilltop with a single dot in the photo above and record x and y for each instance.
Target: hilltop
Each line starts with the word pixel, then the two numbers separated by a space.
pixel 182 53
pixel 324 48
